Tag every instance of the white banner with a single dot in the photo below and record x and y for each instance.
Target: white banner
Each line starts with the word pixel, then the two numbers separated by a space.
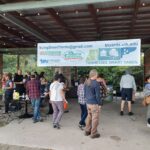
pixel 96 53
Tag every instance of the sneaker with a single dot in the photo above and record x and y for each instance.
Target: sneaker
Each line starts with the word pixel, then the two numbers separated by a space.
pixel 148 125
pixel 121 113
pixel 58 126
pixel 80 126
pixel 87 133
pixel 66 111
pixel 54 126
pixel 130 113
pixel 95 136
pixel 132 102
pixel 40 120
pixel 35 121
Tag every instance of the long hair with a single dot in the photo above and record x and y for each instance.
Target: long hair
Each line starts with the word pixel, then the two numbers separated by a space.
pixel 92 73
pixel 9 75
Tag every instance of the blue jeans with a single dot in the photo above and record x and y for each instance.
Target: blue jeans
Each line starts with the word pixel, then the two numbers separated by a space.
pixel 83 114
pixel 36 108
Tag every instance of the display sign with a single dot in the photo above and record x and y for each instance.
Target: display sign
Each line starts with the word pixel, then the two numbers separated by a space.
pixel 95 53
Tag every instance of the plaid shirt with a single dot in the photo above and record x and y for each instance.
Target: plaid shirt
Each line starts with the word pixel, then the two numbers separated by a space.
pixel 33 89
pixel 80 93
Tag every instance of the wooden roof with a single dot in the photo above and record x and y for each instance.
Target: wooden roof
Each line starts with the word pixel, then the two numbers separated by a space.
pixel 120 19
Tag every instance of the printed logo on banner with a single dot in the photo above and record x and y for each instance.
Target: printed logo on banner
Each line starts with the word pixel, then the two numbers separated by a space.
pixel 95 53
pixel 73 56
pixel 92 57
pixel 114 53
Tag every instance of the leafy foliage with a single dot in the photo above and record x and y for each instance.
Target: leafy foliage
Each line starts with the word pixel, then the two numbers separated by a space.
pixel 111 74
pixel 27 63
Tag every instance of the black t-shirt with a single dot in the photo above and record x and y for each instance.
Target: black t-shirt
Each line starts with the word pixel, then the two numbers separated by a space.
pixel 19 87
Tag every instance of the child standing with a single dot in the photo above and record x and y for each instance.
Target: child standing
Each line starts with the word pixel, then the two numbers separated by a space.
pixel 82 102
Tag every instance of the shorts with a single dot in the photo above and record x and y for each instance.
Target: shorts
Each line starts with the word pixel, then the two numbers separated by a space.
pixel 126 94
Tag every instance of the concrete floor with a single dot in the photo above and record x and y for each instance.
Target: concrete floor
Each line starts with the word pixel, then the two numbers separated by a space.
pixel 125 133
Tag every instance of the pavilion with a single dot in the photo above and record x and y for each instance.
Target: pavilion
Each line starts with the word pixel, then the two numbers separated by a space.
pixel 26 23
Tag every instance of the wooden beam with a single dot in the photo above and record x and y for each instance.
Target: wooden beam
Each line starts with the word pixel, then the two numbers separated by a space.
pixel 114 20
pixel 101 9
pixel 15 33
pixel 93 14
pixel 8 7
pixel 134 17
pixel 84 25
pixel 7 43
pixel 127 14
pixel 146 32
pixel 28 26
pixel 58 19
pixel 146 12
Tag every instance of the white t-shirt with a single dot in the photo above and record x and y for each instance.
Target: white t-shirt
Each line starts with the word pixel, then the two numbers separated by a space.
pixel 55 89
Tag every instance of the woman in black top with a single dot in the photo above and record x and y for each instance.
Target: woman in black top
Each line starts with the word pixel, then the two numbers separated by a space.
pixel 18 80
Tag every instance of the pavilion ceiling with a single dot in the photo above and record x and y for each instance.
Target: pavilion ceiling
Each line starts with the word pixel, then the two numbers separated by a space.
pixel 119 19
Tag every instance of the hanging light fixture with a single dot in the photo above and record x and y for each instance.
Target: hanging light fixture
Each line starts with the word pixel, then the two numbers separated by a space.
pixel 143 4
pixel 97 10
pixel 21 14
pixel 76 11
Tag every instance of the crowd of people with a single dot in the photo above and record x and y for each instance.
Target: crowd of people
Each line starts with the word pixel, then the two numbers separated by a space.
pixel 91 92
pixel 20 84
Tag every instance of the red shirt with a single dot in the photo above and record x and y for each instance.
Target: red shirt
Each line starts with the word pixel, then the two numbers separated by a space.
pixel 33 89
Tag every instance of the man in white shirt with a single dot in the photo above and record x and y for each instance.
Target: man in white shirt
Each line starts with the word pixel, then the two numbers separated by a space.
pixel 57 98
pixel 127 85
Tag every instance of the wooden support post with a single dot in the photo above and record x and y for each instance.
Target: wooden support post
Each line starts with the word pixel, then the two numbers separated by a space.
pixel 76 73
pixel 1 69
pixel 18 61
pixel 146 63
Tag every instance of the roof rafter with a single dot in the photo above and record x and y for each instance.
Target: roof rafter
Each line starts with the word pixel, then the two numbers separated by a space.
pixel 13 32
pixel 27 25
pixel 57 18
pixel 92 11
pixel 45 4
pixel 6 42
pixel 135 13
